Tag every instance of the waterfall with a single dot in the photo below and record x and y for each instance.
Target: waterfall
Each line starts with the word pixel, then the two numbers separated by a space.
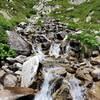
pixel 75 89
pixel 45 92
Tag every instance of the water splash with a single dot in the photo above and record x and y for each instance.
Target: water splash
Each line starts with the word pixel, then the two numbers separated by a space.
pixel 45 93
pixel 75 89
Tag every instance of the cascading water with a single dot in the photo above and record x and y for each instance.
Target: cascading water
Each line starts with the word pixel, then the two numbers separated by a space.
pixel 74 88
pixel 45 92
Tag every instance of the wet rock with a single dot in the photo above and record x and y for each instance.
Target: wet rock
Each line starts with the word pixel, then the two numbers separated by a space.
pixel 96 74
pixel 95 60
pixel 62 93
pixel 10 80
pixel 17 43
pixel 56 84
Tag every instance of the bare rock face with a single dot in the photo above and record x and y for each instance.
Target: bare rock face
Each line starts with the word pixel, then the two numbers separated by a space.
pixel 10 80
pixel 17 43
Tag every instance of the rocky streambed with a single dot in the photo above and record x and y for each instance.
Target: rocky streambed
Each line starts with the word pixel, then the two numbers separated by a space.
pixel 47 66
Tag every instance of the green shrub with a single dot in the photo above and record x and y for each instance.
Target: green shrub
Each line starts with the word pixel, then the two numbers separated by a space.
pixel 5 52
pixel 86 39
pixel 3 36
pixel 88 43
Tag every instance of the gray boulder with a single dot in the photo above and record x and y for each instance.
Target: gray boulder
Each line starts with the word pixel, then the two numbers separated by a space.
pixel 16 42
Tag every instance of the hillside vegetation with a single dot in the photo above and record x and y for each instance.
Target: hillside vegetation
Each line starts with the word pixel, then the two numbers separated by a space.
pixel 69 12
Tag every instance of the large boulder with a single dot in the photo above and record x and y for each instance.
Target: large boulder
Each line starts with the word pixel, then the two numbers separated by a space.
pixel 16 42
pixel 30 69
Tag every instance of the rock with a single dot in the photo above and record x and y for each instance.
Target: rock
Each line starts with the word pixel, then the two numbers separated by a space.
pixel 95 53
pixel 17 66
pixel 95 60
pixel 77 2
pixel 70 70
pixel 29 70
pixel 98 38
pixel 21 59
pixel 61 72
pixel 72 58
pixel 62 93
pixel 96 74
pixel 2 73
pixel 70 9
pixel 57 82
pixel 18 73
pixel 94 93
pixel 17 43
pixel 75 46
pixel 10 80
pixel 14 93
pixel 84 74
pixel 88 19
pixel 10 60
pixel 1 87
pixel 22 25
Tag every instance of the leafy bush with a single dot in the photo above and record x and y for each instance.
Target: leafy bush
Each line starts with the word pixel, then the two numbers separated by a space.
pixel 86 39
pixel 5 51
pixel 88 43
pixel 3 36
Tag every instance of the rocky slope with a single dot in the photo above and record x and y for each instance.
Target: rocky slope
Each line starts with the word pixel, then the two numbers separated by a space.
pixel 48 66
pixel 51 70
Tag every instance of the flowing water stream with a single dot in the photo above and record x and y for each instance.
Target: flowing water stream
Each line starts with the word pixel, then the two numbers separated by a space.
pixel 76 91
pixel 45 93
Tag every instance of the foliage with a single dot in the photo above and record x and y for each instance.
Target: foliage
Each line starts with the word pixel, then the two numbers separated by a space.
pixel 3 36
pixel 86 39
pixel 5 51
pixel 80 11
